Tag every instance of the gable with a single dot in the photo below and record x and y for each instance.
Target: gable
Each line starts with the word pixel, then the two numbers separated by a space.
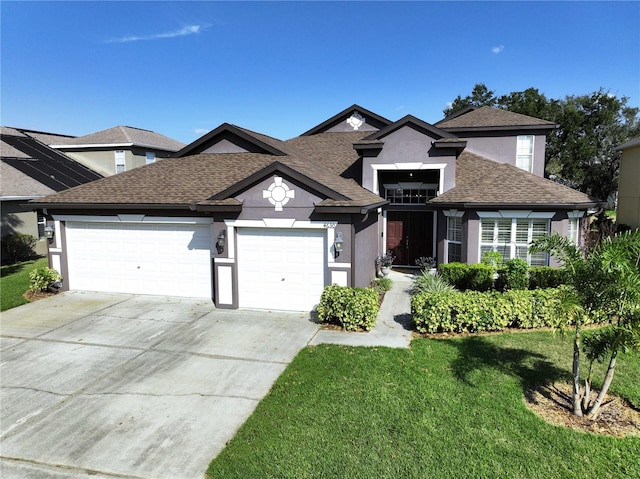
pixel 229 138
pixel 354 118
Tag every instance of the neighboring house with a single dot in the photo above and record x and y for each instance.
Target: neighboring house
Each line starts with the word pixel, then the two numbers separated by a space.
pixel 628 211
pixel 29 169
pixel 117 149
pixel 256 222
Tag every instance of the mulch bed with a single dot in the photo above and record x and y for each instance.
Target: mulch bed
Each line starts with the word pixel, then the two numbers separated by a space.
pixel 617 417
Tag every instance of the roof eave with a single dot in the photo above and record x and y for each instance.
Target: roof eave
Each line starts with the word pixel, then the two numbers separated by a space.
pixel 461 129
pixel 537 206
pixel 107 206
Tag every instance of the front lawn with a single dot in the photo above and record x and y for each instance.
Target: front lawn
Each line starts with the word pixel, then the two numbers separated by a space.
pixel 443 409
pixel 14 282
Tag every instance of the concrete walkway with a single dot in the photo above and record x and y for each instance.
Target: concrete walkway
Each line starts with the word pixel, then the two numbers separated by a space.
pixel 393 325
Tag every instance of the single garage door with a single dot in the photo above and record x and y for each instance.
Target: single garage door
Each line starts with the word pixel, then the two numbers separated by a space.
pixel 162 259
pixel 280 269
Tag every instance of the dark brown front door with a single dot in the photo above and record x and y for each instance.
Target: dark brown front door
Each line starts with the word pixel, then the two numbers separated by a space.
pixel 409 235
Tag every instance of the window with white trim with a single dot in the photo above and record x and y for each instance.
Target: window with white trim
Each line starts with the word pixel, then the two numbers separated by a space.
pixel 573 228
pixel 524 152
pixel 511 237
pixel 454 239
pixel 150 157
pixel 42 223
pixel 120 161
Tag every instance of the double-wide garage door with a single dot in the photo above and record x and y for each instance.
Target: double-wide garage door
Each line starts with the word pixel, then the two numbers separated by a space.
pixel 280 269
pixel 163 259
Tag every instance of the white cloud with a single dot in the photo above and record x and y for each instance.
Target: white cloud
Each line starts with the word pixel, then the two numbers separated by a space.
pixel 200 131
pixel 497 49
pixel 188 30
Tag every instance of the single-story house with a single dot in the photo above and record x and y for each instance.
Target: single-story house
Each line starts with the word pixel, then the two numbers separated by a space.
pixel 29 169
pixel 256 222
pixel 117 149
pixel 628 208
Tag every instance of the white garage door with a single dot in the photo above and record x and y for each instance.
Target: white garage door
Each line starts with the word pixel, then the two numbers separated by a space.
pixel 162 259
pixel 280 269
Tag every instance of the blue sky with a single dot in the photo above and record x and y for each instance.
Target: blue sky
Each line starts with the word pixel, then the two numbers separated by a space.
pixel 280 68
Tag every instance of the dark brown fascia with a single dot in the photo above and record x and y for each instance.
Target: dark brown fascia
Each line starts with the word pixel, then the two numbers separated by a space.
pixel 369 146
pixel 458 145
pixel 361 210
pixel 412 121
pixel 274 167
pixel 107 206
pixel 335 119
pixel 186 151
pixel 518 206
pixel 218 208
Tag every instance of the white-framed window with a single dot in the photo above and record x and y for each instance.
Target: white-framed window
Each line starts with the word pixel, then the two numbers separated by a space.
pixel 454 239
pixel 120 161
pixel 150 157
pixel 573 225
pixel 511 237
pixel 524 152
pixel 42 224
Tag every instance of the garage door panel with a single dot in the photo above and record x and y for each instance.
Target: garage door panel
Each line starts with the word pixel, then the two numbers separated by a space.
pixel 280 269
pixel 163 259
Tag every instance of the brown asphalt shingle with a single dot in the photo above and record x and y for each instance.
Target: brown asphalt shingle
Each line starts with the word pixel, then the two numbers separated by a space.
pixel 487 116
pixel 484 182
pixel 125 134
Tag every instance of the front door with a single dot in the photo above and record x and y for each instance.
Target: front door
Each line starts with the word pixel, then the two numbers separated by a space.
pixel 409 235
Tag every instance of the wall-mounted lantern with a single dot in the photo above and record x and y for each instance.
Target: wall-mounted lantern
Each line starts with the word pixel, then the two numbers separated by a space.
pixel 220 243
pixel 49 233
pixel 338 243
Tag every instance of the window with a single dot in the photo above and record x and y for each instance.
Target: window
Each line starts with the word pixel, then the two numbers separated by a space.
pixel 417 194
pixel 454 239
pixel 151 157
pixel 511 237
pixel 524 152
pixel 42 223
pixel 120 164
pixel 572 229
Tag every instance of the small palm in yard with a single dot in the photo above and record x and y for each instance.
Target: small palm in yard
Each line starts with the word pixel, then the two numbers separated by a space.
pixel 606 281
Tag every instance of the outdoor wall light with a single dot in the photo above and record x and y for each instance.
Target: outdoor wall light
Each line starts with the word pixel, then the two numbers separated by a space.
pixel 338 243
pixel 220 243
pixel 49 233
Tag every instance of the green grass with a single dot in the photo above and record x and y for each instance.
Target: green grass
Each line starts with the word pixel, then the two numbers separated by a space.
pixel 443 409
pixel 14 282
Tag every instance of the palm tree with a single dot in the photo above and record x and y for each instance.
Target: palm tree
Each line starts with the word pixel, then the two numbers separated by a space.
pixel 605 287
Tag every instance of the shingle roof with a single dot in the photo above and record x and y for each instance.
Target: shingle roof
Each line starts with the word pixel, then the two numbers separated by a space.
pixel 483 182
pixel 125 135
pixel 180 182
pixel 45 165
pixel 14 183
pixel 333 150
pixel 491 118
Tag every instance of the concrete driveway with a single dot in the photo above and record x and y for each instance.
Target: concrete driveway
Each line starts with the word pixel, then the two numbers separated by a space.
pixel 114 385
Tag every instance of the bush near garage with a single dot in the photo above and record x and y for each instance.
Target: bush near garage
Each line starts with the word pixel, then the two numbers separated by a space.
pixel 17 247
pixel 44 278
pixel 351 308
pixel 474 311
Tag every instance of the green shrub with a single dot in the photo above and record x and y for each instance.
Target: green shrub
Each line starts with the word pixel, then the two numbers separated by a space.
pixel 492 258
pixel 546 277
pixel 462 276
pixel 514 275
pixel 351 308
pixel 42 278
pixel 381 285
pixel 474 311
pixel 17 247
pixel 427 282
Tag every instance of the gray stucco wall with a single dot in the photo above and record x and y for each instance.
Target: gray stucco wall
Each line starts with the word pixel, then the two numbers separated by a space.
pixel 366 249
pixel 502 148
pixel 407 145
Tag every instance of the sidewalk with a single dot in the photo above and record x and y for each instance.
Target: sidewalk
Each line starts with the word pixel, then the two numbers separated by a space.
pixel 393 326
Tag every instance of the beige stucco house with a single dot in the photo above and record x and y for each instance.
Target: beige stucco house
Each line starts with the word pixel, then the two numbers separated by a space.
pixel 117 149
pixel 628 210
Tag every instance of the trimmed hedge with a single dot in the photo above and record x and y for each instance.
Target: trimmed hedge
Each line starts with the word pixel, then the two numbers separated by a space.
pixel 351 308
pixel 513 274
pixel 463 276
pixel 474 311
